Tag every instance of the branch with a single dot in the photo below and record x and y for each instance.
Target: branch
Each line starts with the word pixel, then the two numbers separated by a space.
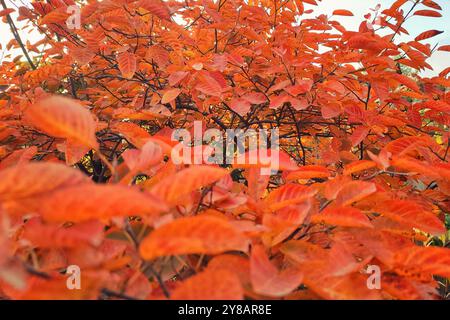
pixel 16 35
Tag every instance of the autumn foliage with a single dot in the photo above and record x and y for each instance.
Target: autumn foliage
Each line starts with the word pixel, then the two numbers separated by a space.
pixel 87 176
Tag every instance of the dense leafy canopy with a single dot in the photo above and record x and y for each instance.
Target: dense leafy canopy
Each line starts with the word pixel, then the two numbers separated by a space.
pixel 87 175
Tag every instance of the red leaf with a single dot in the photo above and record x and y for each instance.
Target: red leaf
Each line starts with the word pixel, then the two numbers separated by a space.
pixel 303 86
pixel 427 34
pixel 428 13
pixel 177 77
pixel 278 101
pixel 331 110
pixel 255 98
pixel 240 106
pixel 444 48
pixel 431 4
pixel 358 135
pixel 7 11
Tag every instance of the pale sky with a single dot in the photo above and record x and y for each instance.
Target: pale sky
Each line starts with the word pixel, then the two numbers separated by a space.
pixel 439 60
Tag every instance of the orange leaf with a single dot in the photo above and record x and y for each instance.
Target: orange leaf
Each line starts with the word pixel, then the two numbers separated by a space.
pixel 407 145
pixel 31 179
pixel 291 216
pixel 397 4
pixel 423 262
pixel 234 263
pixel 407 81
pixel 359 165
pixel 92 201
pixel 177 77
pixel 182 183
pixel 342 12
pixel 267 279
pixel 198 234
pixel 413 215
pixel 330 110
pixel 18 157
pixel 331 273
pixel 149 155
pixel 443 170
pixel 74 152
pixel 437 105
pixel 135 134
pixel 406 289
pixel 127 64
pixel 57 16
pixel 265 158
pixel 211 84
pixel 309 172
pixel 55 288
pixel 51 236
pixel 354 191
pixel 157 8
pixel 302 87
pixel 412 166
pixel 63 118
pixel 289 194
pixel 210 285
pixel 343 216
pixel 349 287
pixel 170 95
